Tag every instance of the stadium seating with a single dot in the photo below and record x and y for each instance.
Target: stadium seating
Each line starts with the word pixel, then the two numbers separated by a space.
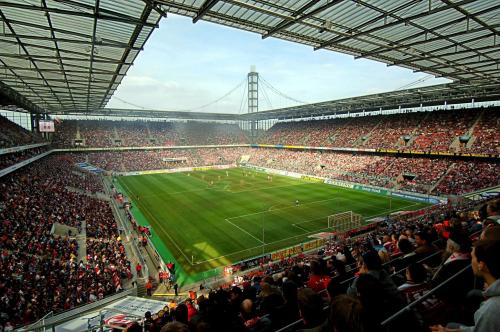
pixel 105 133
pixel 14 135
pixel 425 131
pixel 10 159
pixel 41 271
pixel 486 138
pixel 161 159
pixel 415 174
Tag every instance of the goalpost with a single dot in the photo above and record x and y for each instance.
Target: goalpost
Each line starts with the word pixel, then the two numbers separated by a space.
pixel 343 222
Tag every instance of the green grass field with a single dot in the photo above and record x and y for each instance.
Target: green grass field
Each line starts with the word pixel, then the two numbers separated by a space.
pixel 208 219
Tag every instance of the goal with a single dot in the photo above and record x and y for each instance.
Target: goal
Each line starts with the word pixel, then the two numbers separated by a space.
pixel 343 222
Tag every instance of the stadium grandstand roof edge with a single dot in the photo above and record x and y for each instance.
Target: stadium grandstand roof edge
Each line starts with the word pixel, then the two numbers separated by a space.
pixel 434 95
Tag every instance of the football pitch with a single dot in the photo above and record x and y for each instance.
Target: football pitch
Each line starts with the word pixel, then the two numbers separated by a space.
pixel 208 219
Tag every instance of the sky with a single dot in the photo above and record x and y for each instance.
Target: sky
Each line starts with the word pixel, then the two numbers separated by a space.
pixel 185 66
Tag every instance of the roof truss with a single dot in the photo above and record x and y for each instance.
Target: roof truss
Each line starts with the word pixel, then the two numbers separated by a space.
pixel 71 54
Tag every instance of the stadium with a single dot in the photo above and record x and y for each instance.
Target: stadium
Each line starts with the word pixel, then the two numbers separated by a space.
pixel 370 212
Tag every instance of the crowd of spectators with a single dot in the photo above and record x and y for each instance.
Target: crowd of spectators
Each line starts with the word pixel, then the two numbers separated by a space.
pixel 415 174
pixel 437 130
pixel 9 159
pixel 486 135
pixel 393 129
pixel 355 131
pixel 425 131
pixel 411 174
pixel 127 161
pixel 39 270
pixel 355 284
pixel 106 133
pixel 468 176
pixel 15 135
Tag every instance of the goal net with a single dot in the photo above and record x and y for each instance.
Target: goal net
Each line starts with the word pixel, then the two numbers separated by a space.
pixel 343 222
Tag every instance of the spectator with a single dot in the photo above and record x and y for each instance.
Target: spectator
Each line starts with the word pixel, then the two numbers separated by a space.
pixel 149 287
pixel 457 258
pixel 491 233
pixel 175 327
pixel 318 280
pixel 252 321
pixel 311 310
pixel 424 245
pixel 415 285
pixel 372 265
pixel 486 265
pixel 346 315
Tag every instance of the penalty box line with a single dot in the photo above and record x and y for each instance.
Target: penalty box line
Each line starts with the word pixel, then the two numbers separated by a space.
pixel 306 232
pixel 285 208
pixel 260 246
pixel 241 229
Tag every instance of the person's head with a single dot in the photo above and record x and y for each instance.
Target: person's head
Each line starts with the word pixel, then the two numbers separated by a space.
pixel 485 261
pixel 409 232
pixel 316 267
pixel 181 313
pixel 247 310
pixel 371 261
pixel 482 212
pixel 405 246
pixel 346 314
pixel 493 208
pixel 458 242
pixel 416 273
pixel 235 292
pixel 310 307
pixel 339 266
pixel 334 289
pixel 175 327
pixel 422 238
pixel 384 256
pixel 491 233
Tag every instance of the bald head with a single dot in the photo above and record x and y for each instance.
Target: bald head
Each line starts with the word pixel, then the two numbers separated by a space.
pixel 247 306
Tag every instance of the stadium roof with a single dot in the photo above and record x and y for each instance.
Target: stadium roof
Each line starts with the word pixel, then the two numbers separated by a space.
pixel 71 54
pixel 453 39
pixel 451 93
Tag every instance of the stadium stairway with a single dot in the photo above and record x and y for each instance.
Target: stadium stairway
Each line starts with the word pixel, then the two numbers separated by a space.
pixel 476 121
pixel 82 243
pixel 470 132
pixel 360 141
pixel 304 140
pixel 434 186
pixel 141 287
pixel 416 132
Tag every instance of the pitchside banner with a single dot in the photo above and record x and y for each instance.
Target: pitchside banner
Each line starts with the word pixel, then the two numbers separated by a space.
pixel 311 178
pixel 285 253
pixel 295 250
